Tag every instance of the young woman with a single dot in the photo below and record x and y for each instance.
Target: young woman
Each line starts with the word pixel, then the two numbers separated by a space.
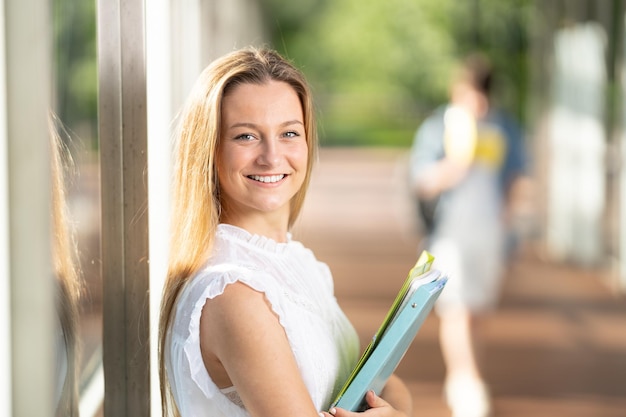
pixel 249 322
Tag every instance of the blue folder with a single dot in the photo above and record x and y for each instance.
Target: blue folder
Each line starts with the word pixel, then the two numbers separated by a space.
pixel 382 356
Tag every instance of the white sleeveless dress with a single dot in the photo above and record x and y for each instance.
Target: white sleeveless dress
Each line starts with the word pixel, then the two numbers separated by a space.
pixel 299 289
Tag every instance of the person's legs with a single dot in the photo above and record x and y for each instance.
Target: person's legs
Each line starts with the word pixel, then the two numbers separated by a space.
pixel 465 390
pixel 471 287
pixel 459 340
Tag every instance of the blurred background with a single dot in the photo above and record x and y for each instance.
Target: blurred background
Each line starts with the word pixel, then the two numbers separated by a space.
pixel 378 69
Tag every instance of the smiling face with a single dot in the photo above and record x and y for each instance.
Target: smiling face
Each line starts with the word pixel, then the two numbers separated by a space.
pixel 262 156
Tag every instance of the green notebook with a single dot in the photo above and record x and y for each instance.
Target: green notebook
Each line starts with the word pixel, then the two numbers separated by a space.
pixel 400 326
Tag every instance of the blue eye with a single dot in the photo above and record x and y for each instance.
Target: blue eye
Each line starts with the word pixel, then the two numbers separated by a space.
pixel 245 137
pixel 292 134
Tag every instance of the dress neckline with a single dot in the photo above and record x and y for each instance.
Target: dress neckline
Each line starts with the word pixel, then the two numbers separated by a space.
pixel 259 241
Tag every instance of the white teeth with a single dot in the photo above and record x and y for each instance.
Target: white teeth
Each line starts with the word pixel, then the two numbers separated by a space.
pixel 270 178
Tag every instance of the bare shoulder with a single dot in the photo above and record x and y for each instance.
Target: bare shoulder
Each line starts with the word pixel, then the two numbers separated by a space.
pixel 243 344
pixel 238 300
pixel 239 312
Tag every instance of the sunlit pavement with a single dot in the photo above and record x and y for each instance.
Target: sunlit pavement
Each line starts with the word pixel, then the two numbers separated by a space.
pixel 557 344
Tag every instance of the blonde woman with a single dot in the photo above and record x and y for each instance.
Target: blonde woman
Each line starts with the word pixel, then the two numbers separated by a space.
pixel 249 323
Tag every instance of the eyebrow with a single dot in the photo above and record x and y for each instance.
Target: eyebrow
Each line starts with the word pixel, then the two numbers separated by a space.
pixel 252 125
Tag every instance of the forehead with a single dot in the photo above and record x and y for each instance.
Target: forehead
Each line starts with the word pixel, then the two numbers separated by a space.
pixel 264 97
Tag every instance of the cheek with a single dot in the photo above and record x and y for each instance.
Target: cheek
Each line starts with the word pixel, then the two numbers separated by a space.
pixel 224 165
pixel 227 161
pixel 301 156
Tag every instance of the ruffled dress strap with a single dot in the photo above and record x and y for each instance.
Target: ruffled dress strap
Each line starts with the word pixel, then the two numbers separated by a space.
pixel 209 285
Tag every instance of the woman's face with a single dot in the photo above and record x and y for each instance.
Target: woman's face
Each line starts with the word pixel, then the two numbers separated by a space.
pixel 262 155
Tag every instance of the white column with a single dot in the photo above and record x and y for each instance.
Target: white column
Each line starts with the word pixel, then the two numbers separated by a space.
pixel 578 144
pixel 5 299
pixel 24 184
pixel 160 115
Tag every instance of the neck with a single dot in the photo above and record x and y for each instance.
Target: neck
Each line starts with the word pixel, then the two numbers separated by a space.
pixel 275 229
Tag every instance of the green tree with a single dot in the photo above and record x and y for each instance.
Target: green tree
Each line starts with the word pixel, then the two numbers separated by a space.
pixel 75 67
pixel 379 67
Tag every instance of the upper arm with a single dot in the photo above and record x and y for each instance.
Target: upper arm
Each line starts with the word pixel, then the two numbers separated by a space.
pixel 241 335
pixel 427 145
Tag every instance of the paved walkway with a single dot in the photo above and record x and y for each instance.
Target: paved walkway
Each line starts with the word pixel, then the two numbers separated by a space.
pixel 557 345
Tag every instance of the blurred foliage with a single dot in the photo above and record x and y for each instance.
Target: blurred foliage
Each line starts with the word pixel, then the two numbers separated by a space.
pixel 378 68
pixel 75 67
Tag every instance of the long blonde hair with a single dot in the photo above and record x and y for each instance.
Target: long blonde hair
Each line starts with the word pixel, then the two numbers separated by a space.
pixel 66 268
pixel 196 202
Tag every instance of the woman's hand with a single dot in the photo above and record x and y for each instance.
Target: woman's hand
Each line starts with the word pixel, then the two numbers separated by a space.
pixel 378 407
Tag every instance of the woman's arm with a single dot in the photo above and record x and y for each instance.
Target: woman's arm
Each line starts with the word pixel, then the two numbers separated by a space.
pixel 243 344
pixel 397 394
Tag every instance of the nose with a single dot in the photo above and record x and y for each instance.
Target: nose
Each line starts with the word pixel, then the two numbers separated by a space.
pixel 269 154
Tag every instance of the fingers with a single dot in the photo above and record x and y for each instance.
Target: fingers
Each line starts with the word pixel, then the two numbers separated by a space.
pixel 374 400
pixel 338 412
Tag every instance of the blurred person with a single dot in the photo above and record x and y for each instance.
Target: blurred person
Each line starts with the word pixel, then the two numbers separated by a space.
pixel 465 160
pixel 67 280
pixel 249 322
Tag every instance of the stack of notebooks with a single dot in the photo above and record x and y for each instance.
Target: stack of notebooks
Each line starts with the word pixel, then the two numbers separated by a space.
pixel 388 346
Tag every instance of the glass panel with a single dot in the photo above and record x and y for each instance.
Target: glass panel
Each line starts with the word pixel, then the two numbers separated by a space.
pixel 75 107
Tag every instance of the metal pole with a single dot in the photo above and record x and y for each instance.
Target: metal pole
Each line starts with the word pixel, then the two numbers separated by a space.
pixel 123 161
